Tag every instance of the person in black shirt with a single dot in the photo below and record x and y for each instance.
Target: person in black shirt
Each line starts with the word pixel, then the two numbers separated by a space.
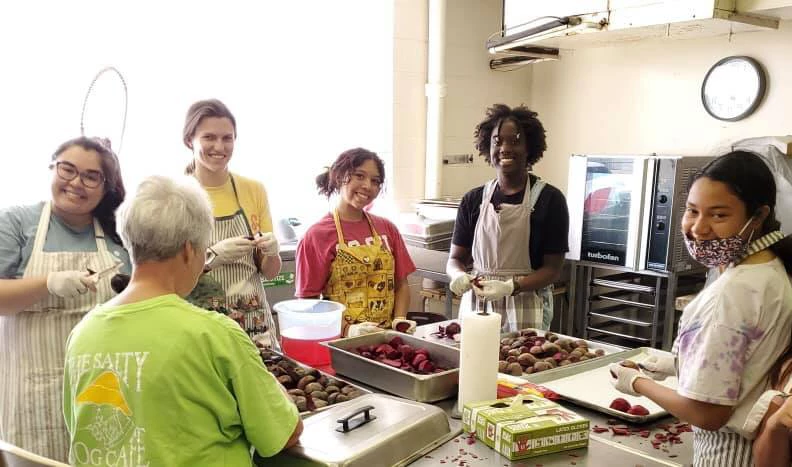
pixel 514 228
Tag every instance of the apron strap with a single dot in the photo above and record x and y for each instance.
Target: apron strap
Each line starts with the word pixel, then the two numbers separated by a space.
pixel 536 190
pixel 43 227
pixel 340 233
pixel 236 197
pixel 760 244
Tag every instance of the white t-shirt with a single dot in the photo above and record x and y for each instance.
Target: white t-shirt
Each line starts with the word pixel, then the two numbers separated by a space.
pixel 730 336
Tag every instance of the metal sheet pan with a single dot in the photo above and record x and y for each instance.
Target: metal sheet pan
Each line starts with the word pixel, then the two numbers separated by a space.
pixel 588 384
pixel 420 388
pixel 265 354
pixel 427 332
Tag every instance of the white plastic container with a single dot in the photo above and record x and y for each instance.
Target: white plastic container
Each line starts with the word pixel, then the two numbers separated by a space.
pixel 304 323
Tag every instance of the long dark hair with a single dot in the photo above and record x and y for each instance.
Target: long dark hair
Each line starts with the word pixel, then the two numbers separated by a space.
pixel 749 178
pixel 197 112
pixel 104 212
pixel 331 180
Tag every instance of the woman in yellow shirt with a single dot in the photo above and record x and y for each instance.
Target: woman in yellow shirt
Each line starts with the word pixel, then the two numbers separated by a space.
pixel 243 245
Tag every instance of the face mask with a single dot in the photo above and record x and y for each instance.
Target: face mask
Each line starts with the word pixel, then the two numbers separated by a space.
pixel 720 251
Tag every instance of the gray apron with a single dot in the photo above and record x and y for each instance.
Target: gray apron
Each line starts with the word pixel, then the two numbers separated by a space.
pixel 500 251
pixel 242 282
pixel 33 344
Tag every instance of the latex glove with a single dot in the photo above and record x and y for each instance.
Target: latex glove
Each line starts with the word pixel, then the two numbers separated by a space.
pixel 659 367
pixel 69 284
pixel 623 378
pixel 231 249
pixel 268 244
pixel 360 329
pixel 407 324
pixel 460 283
pixel 494 289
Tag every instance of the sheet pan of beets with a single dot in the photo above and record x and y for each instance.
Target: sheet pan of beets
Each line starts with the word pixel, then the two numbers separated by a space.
pixel 587 384
pixel 398 363
pixel 527 351
pixel 310 389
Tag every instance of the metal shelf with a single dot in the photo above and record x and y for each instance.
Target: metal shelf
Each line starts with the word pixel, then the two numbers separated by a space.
pixel 638 288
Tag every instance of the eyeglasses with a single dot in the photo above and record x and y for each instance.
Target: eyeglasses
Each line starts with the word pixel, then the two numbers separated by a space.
pixel 68 171
pixel 498 141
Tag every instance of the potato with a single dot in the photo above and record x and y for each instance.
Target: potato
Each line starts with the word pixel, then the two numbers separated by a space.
pixel 286 381
pixel 319 403
pixel 311 387
pixel 333 397
pixel 301 402
pixel 528 332
pixel 348 389
pixel 552 337
pixel 564 363
pixel 305 380
pixel 599 352
pixel 536 350
pixel 502 366
pixel 515 369
pixel 541 366
pixel 511 359
pixel 514 352
pixel 628 364
pixel 526 359
pixel 507 341
pixel 296 392
pixel 319 395
pixel 331 389
pixel 550 347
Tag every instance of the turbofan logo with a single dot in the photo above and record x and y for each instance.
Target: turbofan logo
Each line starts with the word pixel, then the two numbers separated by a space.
pixel 606 256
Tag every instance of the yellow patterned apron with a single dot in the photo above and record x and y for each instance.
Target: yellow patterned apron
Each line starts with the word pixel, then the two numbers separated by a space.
pixel 362 278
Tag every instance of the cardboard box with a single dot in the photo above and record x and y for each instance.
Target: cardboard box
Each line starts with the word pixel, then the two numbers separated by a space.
pixel 525 426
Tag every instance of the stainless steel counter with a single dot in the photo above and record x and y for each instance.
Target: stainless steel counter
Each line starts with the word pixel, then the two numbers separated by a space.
pixel 604 449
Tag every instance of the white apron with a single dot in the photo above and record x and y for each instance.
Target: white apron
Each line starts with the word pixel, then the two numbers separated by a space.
pixel 33 344
pixel 500 251
pixel 241 281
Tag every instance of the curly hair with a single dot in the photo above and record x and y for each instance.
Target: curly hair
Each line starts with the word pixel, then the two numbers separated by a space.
pixel 530 127
pixel 115 193
pixel 331 180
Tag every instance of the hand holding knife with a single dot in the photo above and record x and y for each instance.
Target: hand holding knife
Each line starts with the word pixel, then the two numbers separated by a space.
pixel 94 276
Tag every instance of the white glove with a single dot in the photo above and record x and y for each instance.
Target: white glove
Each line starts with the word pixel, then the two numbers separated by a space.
pixel 659 367
pixel 493 289
pixel 360 329
pixel 231 249
pixel 407 325
pixel 625 378
pixel 268 244
pixel 460 283
pixel 69 284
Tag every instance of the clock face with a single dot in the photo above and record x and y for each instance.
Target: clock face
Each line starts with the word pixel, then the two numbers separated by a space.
pixel 733 88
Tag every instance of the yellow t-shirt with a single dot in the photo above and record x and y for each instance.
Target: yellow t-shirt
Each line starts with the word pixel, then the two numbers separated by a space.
pixel 252 197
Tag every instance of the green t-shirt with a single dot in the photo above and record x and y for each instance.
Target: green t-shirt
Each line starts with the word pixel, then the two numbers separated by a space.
pixel 163 383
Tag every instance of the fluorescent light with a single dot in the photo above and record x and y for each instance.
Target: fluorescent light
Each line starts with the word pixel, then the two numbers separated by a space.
pixel 554 28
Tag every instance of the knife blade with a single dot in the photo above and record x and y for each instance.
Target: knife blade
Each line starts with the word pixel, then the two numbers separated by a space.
pixel 105 272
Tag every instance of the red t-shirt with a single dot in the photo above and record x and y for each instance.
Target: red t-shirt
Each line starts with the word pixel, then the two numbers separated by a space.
pixel 317 250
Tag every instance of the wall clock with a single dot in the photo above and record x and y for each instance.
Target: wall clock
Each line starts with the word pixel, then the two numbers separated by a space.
pixel 733 88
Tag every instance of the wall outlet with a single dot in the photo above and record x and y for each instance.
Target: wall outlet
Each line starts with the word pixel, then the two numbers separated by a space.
pixel 454 159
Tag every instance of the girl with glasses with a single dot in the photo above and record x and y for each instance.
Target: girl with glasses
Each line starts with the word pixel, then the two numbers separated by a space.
pixel 47 253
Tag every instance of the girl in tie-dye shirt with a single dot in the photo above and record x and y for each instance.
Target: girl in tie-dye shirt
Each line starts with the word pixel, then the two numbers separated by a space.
pixel 734 331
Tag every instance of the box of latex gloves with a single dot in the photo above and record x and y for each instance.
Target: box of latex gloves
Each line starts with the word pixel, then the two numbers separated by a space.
pixel 525 426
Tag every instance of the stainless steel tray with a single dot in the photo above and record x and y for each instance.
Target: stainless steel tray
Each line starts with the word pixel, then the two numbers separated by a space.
pixel 588 384
pixel 421 388
pixel 304 414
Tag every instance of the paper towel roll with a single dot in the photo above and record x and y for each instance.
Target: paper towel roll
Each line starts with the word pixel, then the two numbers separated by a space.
pixel 478 358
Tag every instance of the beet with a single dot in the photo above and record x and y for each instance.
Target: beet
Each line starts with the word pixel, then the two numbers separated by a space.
pixel 367 354
pixel 423 351
pixel 620 404
pixel 407 352
pixel 393 363
pixel 418 358
pixel 394 355
pixel 402 326
pixel 426 366
pixel 384 349
pixel 396 342
pixel 638 410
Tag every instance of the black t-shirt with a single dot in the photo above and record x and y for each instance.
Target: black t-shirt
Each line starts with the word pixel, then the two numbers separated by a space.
pixel 549 220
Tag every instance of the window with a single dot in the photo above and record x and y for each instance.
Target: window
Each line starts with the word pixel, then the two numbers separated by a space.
pixel 306 79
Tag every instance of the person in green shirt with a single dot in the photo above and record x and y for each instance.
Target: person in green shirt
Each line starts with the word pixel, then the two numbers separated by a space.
pixel 151 379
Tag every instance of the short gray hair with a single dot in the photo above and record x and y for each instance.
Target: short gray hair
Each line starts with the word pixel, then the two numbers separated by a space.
pixel 163 215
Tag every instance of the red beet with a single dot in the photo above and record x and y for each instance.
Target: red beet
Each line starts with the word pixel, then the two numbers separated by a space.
pixel 426 366
pixel 637 410
pixel 407 352
pixel 393 363
pixel 402 327
pixel 394 355
pixel 396 342
pixel 620 405
pixel 418 358
pixel 384 349
pixel 423 351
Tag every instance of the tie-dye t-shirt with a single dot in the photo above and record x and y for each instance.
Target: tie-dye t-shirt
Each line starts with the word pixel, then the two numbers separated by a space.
pixel 732 333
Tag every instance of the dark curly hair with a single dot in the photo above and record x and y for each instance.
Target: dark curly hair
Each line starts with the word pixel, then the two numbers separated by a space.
pixel 331 180
pixel 114 195
pixel 530 128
